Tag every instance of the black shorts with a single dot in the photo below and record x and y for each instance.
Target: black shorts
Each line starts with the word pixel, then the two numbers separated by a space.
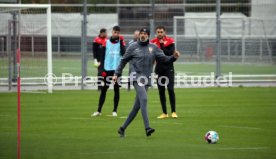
pixel 105 78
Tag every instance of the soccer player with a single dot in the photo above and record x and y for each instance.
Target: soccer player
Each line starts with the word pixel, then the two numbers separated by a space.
pixel 98 50
pixel 141 55
pixel 114 49
pixel 135 38
pixel 165 70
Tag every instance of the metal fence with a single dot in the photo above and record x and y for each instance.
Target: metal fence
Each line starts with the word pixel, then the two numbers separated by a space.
pixel 248 31
pixel 132 15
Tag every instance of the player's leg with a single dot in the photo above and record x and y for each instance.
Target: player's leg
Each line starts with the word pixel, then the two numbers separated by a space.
pixel 128 85
pixel 99 82
pixel 102 98
pixel 131 116
pixel 140 102
pixel 162 97
pixel 141 92
pixel 116 98
pixel 133 113
pixel 170 86
pixel 128 82
pixel 141 99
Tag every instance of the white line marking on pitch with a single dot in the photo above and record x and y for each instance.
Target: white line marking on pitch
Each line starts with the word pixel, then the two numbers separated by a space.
pixel 103 152
pixel 157 122
pixel 241 127
pixel 155 101
pixel 34 92
pixel 80 118
pixel 92 118
pixel 116 116
pixel 243 148
pixel 4 115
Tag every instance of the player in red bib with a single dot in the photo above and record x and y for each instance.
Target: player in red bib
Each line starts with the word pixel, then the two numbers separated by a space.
pixel 98 51
pixel 112 51
pixel 166 70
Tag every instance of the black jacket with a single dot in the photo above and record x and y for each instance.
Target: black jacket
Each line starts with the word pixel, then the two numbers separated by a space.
pixel 98 49
pixel 163 66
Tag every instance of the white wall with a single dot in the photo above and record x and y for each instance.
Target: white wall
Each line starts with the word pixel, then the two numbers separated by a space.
pixel 264 8
pixel 62 24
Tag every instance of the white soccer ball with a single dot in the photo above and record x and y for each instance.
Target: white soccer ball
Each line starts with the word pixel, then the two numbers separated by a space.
pixel 211 137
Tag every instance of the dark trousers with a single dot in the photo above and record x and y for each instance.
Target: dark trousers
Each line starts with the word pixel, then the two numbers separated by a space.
pixel 128 82
pixel 140 102
pixel 170 86
pixel 98 82
pixel 104 89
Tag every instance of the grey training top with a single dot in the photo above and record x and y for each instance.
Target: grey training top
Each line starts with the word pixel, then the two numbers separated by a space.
pixel 142 60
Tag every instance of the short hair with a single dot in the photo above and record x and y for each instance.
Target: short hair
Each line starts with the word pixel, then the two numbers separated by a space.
pixel 160 27
pixel 103 30
pixel 116 28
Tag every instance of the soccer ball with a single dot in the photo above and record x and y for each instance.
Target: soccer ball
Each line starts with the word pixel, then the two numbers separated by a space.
pixel 211 137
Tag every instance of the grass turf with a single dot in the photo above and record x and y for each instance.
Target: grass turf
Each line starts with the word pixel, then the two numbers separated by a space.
pixel 38 67
pixel 59 126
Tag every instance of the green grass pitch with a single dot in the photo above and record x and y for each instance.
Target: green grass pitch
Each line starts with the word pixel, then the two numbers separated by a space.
pixel 59 126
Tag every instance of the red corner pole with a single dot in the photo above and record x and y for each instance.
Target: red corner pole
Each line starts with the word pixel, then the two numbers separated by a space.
pixel 18 103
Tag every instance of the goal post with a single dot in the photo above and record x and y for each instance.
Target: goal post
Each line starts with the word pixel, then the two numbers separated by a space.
pixel 41 28
pixel 12 24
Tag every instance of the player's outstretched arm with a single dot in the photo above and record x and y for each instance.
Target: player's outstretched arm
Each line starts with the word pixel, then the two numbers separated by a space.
pixel 160 56
pixel 125 59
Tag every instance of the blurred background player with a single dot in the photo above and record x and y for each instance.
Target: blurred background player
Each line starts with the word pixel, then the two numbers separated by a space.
pixel 135 38
pixel 142 55
pixel 114 49
pixel 98 50
pixel 165 69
